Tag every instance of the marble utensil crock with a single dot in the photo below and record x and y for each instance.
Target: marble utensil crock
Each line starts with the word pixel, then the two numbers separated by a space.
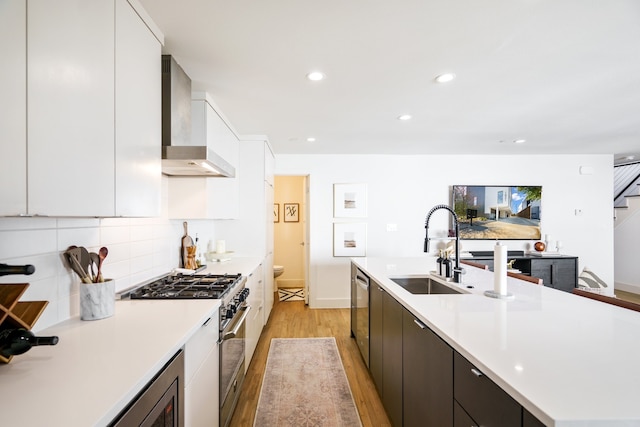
pixel 97 300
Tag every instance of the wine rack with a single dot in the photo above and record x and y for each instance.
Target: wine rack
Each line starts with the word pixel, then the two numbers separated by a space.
pixel 15 313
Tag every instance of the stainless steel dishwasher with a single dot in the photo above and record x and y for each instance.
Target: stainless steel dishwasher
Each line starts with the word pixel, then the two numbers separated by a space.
pixel 360 295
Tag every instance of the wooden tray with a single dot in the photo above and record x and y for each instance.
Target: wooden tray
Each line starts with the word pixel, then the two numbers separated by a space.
pixel 15 313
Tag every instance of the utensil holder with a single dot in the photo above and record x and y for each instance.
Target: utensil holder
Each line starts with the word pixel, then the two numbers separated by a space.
pixel 97 300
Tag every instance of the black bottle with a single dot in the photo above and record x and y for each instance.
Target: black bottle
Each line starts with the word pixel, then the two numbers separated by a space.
pixel 439 262
pixel 18 341
pixel 6 269
pixel 446 266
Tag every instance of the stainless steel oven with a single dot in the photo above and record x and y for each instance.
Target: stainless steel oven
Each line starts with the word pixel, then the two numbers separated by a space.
pixel 161 403
pixel 232 353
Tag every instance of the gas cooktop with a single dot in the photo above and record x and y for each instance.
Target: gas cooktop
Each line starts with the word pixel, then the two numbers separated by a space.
pixel 179 286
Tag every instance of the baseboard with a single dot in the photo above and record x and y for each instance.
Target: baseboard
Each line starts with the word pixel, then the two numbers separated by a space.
pixel 634 289
pixel 330 303
pixel 290 283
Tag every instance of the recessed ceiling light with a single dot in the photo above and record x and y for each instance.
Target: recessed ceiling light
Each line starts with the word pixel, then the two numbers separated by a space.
pixel 519 141
pixel 445 78
pixel 311 139
pixel 315 76
pixel 404 117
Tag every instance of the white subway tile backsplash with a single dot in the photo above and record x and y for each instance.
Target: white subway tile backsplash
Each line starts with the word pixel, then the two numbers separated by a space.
pixel 23 243
pixel 26 223
pixel 115 234
pixel 78 222
pixel 86 236
pixel 141 232
pixel 139 249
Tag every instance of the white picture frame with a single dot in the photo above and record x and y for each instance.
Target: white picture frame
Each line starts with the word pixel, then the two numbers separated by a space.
pixel 350 200
pixel 350 239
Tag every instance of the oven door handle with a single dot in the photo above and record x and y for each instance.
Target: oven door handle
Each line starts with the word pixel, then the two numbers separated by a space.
pixel 232 333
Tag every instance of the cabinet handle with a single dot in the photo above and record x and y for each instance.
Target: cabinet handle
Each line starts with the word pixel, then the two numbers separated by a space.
pixel 380 289
pixel 207 322
pixel 475 372
pixel 419 323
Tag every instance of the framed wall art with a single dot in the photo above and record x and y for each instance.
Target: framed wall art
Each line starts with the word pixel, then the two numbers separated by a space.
pixel 350 239
pixel 349 200
pixel 276 212
pixel 291 212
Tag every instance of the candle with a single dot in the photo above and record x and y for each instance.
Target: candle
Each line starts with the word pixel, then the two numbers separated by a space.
pixel 500 269
pixel 221 246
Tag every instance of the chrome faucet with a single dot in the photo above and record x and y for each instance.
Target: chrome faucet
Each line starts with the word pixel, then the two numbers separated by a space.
pixel 457 271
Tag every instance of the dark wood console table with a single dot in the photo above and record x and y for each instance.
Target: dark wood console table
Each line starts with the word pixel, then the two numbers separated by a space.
pixel 556 271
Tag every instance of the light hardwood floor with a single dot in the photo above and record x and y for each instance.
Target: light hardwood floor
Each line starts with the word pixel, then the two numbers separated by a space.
pixel 628 296
pixel 294 319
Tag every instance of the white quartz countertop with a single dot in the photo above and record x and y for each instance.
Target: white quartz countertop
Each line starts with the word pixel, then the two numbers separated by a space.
pixel 568 360
pixel 98 366
pixel 243 265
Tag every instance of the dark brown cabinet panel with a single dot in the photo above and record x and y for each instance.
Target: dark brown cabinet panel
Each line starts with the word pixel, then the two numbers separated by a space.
pixel 392 358
pixel 528 420
pixel 427 364
pixel 461 418
pixel 385 350
pixel 481 398
pixel 375 334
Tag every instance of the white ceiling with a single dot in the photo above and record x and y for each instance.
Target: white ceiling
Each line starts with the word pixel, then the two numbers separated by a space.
pixel 562 74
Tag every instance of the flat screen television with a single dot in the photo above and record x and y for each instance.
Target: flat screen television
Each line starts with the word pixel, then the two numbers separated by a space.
pixel 491 212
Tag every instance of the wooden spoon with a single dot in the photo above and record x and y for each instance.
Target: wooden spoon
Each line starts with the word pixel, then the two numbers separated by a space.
pixel 102 254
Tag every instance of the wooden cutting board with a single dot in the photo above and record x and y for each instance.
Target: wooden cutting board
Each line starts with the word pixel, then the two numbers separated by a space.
pixel 186 242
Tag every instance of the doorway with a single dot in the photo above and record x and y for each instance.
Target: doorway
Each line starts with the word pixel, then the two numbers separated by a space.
pixel 290 236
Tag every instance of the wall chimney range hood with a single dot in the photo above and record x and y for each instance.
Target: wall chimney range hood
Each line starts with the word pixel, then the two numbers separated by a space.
pixel 179 156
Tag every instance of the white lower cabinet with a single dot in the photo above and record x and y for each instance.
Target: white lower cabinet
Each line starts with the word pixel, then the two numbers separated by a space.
pixel 255 320
pixel 202 376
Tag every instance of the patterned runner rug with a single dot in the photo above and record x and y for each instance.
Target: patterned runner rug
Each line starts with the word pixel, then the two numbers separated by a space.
pixel 305 385
pixel 290 294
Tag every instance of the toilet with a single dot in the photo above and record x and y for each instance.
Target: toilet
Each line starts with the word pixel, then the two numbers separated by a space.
pixel 277 270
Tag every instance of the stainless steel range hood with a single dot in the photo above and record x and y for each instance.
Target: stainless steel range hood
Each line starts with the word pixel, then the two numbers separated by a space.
pixel 179 156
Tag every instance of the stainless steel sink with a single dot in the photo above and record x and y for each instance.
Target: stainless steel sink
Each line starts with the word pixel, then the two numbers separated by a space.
pixel 423 285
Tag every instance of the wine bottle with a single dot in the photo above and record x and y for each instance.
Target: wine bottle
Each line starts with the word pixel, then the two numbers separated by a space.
pixel 6 269
pixel 18 341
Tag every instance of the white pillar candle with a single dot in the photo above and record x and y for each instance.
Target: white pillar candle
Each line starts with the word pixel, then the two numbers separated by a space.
pixel 221 246
pixel 500 269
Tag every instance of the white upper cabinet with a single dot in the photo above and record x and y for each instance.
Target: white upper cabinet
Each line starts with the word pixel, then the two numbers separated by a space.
pixel 80 109
pixel 13 107
pixel 138 128
pixel 70 101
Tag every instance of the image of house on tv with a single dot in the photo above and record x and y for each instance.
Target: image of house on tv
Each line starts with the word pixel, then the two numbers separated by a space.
pixel 494 212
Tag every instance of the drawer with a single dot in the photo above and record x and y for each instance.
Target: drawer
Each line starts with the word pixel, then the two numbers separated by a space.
pixel 199 346
pixel 481 398
pixel 461 418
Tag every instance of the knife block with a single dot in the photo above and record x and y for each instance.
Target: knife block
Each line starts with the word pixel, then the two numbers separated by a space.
pixel 15 313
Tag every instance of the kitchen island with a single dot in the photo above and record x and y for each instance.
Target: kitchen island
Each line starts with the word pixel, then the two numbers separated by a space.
pixel 568 360
pixel 99 366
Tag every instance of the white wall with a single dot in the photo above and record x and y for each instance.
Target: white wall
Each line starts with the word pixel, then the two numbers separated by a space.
pixel 627 237
pixel 402 189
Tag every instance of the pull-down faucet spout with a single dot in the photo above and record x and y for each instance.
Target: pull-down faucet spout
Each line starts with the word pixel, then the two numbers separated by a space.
pixel 457 271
